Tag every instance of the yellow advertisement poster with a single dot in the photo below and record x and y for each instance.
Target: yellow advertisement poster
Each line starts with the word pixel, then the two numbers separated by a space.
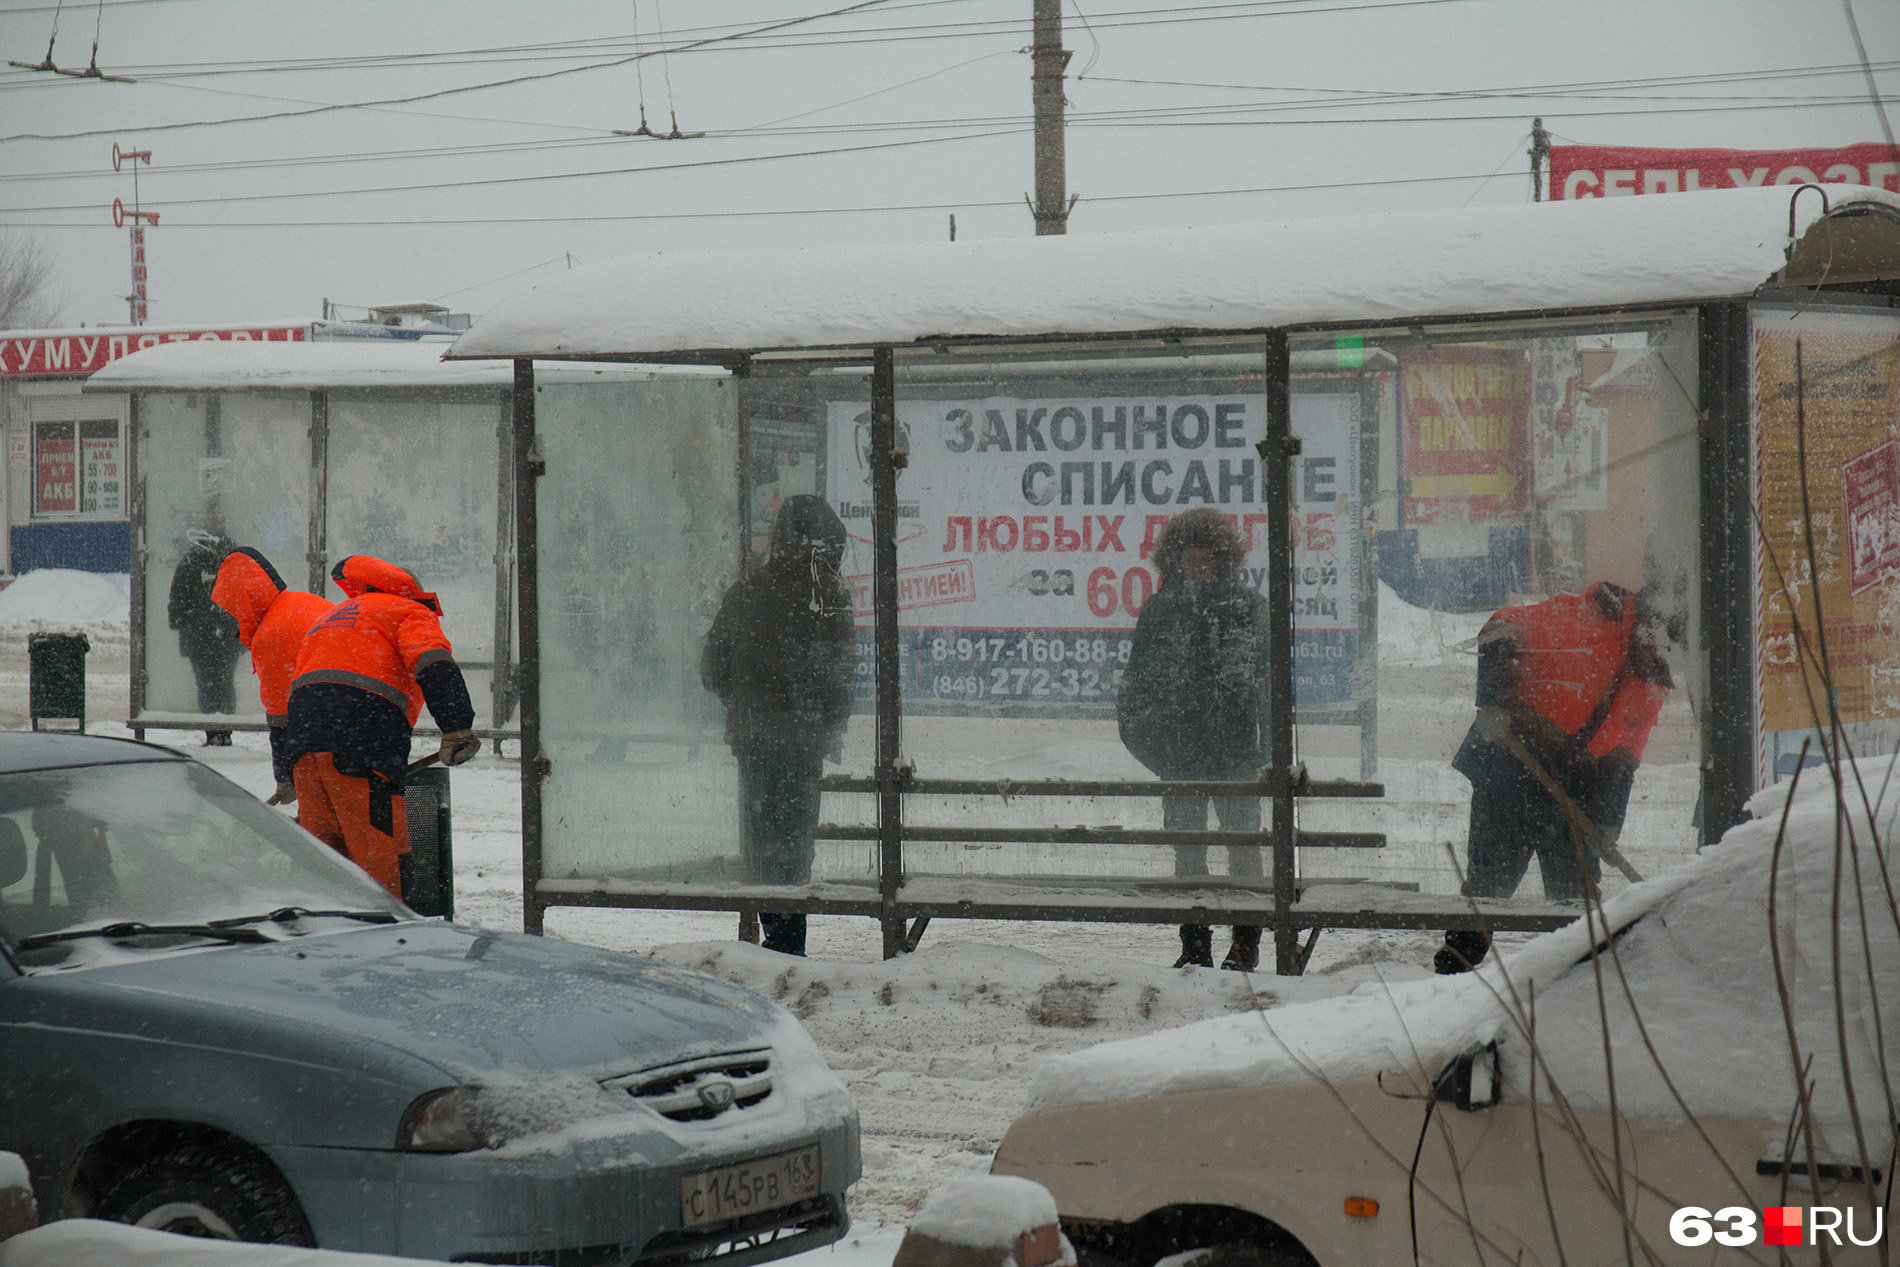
pixel 1844 401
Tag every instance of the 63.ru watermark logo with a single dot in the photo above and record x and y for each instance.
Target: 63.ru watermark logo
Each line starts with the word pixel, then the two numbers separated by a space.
pixel 1779 1225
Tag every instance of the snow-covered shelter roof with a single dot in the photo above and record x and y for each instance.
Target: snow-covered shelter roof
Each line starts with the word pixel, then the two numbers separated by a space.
pixel 317 366
pixel 1366 269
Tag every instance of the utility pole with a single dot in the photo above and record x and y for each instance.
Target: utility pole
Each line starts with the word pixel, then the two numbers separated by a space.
pixel 1050 60
pixel 1539 151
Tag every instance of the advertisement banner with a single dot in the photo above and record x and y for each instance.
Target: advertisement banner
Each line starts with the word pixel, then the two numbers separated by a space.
pixel 1848 399
pixel 1569 436
pixel 1465 412
pixel 1609 171
pixel 79 354
pixel 1027 526
pixel 102 487
pixel 1872 483
pixel 55 475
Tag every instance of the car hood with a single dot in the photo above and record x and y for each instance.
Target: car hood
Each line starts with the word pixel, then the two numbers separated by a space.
pixel 475 1004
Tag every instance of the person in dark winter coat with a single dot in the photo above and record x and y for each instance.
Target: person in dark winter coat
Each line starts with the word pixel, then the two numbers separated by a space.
pixel 1193 701
pixel 780 657
pixel 207 636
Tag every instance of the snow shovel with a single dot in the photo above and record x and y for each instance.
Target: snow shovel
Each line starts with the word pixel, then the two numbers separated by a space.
pixel 411 768
pixel 1493 725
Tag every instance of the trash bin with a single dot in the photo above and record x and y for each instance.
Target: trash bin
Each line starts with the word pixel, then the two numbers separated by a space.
pixel 431 859
pixel 56 677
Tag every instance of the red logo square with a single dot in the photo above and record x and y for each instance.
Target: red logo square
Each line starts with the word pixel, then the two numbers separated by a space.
pixel 1781 1225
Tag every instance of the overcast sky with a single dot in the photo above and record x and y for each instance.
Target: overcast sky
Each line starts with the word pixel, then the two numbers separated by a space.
pixel 912 109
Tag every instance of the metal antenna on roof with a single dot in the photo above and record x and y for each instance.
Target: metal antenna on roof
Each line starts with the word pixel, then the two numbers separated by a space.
pixel 1540 150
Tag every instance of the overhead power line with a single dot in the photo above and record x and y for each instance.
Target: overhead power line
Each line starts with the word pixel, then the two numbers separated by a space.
pixel 764 213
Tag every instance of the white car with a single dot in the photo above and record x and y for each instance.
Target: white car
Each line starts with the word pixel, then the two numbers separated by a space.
pixel 1420 1122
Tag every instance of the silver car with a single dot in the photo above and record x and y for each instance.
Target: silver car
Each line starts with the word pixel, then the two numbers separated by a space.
pixel 211 1023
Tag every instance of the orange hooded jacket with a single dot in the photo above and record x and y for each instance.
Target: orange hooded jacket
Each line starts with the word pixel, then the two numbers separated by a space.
pixel 1573 654
pixel 272 621
pixel 378 641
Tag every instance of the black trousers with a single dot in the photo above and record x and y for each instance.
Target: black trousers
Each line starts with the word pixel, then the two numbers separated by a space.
pixel 778 796
pixel 217 687
pixel 1513 821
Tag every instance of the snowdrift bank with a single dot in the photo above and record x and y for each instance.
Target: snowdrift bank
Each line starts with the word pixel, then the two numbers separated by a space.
pixel 92 1243
pixel 1696 958
pixel 59 600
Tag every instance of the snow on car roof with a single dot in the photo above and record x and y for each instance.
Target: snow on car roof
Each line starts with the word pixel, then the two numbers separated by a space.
pixel 1701 976
pixel 261 366
pixel 1592 253
pixel 21 751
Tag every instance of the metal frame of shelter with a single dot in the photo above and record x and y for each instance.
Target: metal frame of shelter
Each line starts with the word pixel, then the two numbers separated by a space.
pixel 505 665
pixel 1726 534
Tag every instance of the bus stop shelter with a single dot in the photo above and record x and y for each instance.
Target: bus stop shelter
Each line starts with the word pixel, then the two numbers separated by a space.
pixel 1412 419
pixel 309 452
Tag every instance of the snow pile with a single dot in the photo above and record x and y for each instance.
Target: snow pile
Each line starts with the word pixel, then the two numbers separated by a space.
pixel 92 1243
pixel 13 1174
pixel 985 1211
pixel 1420 636
pixel 1586 253
pixel 60 600
pixel 1694 963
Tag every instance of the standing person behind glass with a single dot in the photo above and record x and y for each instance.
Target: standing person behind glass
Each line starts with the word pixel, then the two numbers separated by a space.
pixel 1193 701
pixel 207 636
pixel 780 657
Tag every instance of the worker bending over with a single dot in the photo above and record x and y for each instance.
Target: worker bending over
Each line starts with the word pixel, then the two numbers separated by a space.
pixel 271 621
pixel 363 675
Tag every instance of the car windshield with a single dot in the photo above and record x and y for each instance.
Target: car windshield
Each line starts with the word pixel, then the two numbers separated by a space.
pixel 158 843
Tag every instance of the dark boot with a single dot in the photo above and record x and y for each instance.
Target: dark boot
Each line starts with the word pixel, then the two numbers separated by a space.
pixel 1197 947
pixel 217 739
pixel 1243 955
pixel 1464 949
pixel 784 933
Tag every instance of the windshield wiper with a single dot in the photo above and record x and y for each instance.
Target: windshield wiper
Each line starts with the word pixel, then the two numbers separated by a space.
pixel 290 914
pixel 133 928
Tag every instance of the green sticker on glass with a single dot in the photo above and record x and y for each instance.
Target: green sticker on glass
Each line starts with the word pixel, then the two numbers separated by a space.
pixel 1350 349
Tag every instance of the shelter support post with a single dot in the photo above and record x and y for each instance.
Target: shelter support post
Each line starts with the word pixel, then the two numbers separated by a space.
pixel 135 504
pixel 502 686
pixel 890 703
pixel 1728 533
pixel 1277 451
pixel 534 766
pixel 317 555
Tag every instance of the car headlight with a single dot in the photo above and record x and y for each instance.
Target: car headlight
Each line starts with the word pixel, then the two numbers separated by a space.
pixel 441 1121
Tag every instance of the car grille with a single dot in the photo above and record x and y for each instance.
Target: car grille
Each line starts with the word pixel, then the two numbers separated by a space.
pixel 701 1090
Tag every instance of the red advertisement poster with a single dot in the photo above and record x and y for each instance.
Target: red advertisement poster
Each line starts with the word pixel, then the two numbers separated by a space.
pixel 1873 517
pixel 55 470
pixel 1609 171
pixel 1466 414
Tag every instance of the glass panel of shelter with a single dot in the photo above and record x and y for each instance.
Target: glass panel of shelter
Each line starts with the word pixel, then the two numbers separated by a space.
pixel 1498 496
pixel 649 516
pixel 230 468
pixel 413 479
pixel 1038 486
pixel 1839 403
pixel 801 688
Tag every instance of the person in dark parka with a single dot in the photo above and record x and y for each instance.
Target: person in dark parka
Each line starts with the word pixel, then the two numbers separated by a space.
pixel 780 657
pixel 207 636
pixel 1193 702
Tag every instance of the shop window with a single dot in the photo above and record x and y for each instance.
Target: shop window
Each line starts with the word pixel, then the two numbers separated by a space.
pixel 78 469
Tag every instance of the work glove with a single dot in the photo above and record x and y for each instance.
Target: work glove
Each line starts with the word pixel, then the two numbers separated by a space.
pixel 286 793
pixel 1600 840
pixel 458 746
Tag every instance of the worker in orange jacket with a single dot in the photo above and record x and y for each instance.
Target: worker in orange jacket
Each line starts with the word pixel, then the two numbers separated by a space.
pixel 272 620
pixel 363 675
pixel 1568 691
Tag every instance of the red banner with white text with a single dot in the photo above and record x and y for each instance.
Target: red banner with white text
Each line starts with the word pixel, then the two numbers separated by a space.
pixel 1607 171
pixel 79 354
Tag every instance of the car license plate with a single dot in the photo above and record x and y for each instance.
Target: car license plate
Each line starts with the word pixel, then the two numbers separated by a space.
pixel 765 1183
